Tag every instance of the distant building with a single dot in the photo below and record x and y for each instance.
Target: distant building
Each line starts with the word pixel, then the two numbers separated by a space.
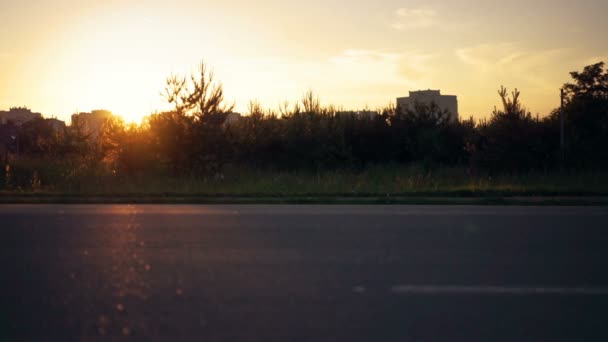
pixel 56 124
pixel 232 118
pixel 18 116
pixel 444 102
pixel 91 123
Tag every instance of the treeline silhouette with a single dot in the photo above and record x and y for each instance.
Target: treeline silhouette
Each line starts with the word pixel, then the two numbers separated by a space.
pixel 201 136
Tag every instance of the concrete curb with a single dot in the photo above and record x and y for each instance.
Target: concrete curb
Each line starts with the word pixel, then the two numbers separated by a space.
pixel 411 200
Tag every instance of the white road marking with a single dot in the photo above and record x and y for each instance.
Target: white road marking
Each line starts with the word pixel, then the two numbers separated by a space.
pixel 496 290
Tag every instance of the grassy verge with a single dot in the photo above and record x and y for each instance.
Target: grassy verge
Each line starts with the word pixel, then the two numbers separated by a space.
pixel 386 184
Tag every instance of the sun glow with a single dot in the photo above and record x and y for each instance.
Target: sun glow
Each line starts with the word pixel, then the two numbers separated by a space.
pixel 119 62
pixel 116 55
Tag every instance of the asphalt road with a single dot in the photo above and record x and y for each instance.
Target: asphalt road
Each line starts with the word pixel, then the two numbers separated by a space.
pixel 303 273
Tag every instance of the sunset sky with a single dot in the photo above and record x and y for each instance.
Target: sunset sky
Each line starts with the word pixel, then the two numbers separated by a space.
pixel 62 56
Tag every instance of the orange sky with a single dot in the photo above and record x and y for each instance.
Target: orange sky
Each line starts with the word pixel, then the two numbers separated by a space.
pixel 63 56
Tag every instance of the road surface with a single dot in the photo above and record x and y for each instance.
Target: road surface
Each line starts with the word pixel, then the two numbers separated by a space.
pixel 303 273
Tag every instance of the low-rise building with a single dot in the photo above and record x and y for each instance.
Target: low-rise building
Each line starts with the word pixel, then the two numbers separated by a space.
pixel 447 103
pixel 91 123
pixel 18 116
pixel 231 118
pixel 56 124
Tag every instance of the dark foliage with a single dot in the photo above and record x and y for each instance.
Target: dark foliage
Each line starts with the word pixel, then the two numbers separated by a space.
pixel 586 116
pixel 201 135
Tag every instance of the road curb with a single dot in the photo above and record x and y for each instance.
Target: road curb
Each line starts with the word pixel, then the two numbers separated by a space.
pixel 411 200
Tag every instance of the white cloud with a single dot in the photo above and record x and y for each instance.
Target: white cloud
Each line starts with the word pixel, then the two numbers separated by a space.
pixel 506 55
pixel 536 71
pixel 426 17
pixel 386 69
pixel 512 61
pixel 353 78
pixel 489 55
pixel 415 18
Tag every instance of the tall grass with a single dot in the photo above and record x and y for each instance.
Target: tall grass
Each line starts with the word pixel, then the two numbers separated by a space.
pixel 54 177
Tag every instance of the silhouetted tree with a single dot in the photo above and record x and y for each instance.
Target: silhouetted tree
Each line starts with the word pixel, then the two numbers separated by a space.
pixel 37 138
pixel 591 82
pixel 509 141
pixel 171 140
pixel 194 138
pixel 201 97
pixel 198 95
pixel 126 148
pixel 586 114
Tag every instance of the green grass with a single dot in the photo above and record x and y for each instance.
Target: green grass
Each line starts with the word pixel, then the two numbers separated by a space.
pixel 376 181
